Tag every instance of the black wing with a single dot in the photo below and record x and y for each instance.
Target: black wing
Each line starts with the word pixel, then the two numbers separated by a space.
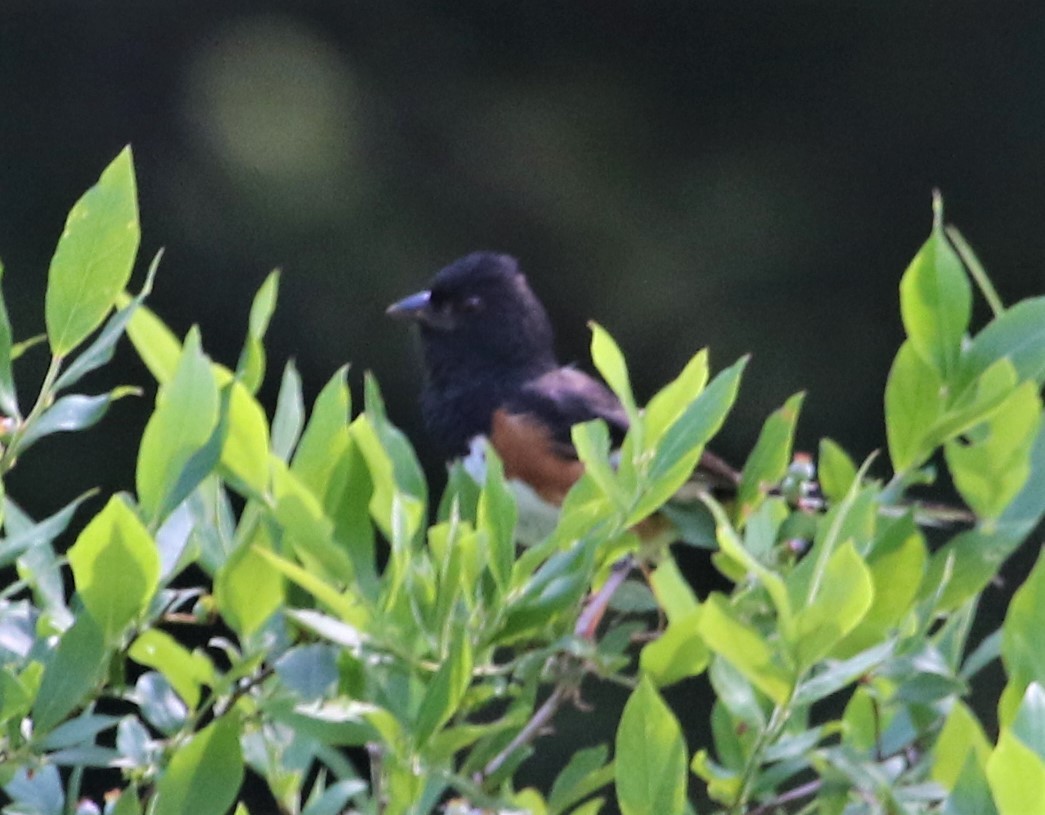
pixel 564 397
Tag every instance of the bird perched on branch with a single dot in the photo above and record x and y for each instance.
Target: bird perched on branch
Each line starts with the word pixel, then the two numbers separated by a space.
pixel 491 373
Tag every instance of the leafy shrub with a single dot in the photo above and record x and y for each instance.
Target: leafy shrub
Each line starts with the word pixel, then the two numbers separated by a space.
pixel 348 621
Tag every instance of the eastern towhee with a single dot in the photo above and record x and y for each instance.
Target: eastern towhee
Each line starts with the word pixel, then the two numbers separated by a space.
pixel 491 372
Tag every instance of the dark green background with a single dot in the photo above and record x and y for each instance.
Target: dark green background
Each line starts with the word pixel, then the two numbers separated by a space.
pixel 753 177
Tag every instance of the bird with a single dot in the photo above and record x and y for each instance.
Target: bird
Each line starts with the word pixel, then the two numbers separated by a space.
pixel 491 375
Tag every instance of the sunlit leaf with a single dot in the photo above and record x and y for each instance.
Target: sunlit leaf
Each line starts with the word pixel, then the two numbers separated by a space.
pixel 116 567
pixel 186 671
pixel 936 301
pixel 913 403
pixel 186 413
pixel 94 257
pixel 650 756
pixel 205 774
pixel 767 462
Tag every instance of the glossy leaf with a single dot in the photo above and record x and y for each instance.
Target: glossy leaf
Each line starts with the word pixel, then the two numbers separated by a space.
pixel 246 450
pixel 913 403
pixel 836 470
pixel 445 690
pixel 71 413
pixel 186 671
pixel 672 400
pixel 961 738
pixel 185 415
pixel 726 634
pixel 585 773
pixel 897 563
pixel 1017 334
pixel 936 301
pixel 991 470
pixel 767 463
pixel 155 343
pixel 204 775
pixel 678 653
pixel 326 433
pixel 248 589
pixel 845 596
pixel 680 447
pixel 100 351
pixel 497 515
pixel 75 667
pixel 21 539
pixel 650 756
pixel 289 418
pixel 251 368
pixel 1021 649
pixel 116 568
pixel 608 359
pixel 94 257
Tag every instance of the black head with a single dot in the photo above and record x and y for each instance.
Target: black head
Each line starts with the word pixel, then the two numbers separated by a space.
pixel 479 317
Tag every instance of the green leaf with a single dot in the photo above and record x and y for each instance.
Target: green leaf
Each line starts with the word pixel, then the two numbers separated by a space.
pixel 837 471
pixel 251 368
pixel 309 531
pixel 745 648
pixel 897 562
pixel 37 534
pixel 608 359
pixel 971 794
pixel 592 442
pixel 844 598
pixel 71 413
pixel 672 590
pixel 8 395
pixel 913 403
pixel 248 589
pixel 289 418
pixel 650 756
pixel 186 413
pixel 679 449
pixel 1017 334
pixel 991 470
pixel 336 600
pixel 936 301
pixel 497 515
pixel 74 669
pixel 116 568
pixel 1021 650
pixel 962 737
pixel 245 454
pixel 672 400
pixel 101 350
pixel 204 775
pixel 94 257
pixel 1016 775
pixel 325 434
pixel 155 343
pixel 678 653
pixel 767 462
pixel 584 773
pixel 734 549
pixel 186 671
pixel 446 689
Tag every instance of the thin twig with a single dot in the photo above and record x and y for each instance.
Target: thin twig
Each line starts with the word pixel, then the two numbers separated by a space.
pixel 537 723
pixel 587 623
pixel 803 791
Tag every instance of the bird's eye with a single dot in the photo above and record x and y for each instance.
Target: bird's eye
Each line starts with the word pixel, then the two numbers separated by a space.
pixel 472 305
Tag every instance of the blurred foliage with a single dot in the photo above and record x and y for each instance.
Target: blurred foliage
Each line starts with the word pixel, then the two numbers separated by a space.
pixel 273 599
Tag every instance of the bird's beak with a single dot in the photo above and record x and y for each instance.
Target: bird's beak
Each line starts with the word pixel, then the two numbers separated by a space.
pixel 414 307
